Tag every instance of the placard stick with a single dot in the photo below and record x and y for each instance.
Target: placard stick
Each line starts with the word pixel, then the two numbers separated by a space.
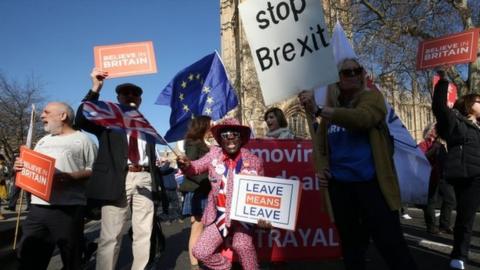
pixel 28 143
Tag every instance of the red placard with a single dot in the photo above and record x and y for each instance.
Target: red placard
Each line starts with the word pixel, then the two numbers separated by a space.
pixel 315 237
pixel 447 50
pixel 36 176
pixel 127 59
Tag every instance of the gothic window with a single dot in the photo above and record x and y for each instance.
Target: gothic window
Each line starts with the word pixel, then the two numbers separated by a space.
pixel 297 124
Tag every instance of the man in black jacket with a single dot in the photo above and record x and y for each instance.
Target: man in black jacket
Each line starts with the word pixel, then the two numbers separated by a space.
pixel 123 175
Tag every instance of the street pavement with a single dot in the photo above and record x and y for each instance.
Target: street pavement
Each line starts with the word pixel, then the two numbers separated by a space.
pixel 429 251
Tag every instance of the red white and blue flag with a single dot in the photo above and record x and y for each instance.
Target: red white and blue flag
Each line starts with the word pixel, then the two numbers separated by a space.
pixel 221 203
pixel 123 118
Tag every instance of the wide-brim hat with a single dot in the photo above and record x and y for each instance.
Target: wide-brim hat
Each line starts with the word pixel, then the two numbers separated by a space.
pixel 231 124
pixel 128 87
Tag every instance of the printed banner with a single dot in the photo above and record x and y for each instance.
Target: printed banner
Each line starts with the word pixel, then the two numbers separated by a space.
pixel 315 237
pixel 36 176
pixel 127 59
pixel 271 199
pixel 290 46
pixel 448 50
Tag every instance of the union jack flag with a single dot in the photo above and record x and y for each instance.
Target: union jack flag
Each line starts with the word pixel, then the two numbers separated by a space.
pixel 221 203
pixel 123 118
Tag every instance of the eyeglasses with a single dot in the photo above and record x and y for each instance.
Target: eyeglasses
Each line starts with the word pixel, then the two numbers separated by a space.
pixel 351 72
pixel 230 135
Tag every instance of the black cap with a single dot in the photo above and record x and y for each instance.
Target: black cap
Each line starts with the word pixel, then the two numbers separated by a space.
pixel 127 87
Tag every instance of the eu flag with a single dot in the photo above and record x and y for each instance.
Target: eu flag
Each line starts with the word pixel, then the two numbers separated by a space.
pixel 200 89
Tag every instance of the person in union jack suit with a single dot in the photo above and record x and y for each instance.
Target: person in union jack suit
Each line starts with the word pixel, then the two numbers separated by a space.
pixel 222 163
pixel 124 173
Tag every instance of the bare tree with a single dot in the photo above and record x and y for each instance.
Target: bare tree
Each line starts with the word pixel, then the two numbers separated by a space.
pixel 15 108
pixel 386 34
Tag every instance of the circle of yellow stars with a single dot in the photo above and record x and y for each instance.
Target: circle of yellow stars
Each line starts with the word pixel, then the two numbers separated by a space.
pixel 192 78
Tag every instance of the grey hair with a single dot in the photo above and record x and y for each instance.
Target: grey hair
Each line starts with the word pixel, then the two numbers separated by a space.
pixel 343 61
pixel 68 110
pixel 340 63
pixel 70 113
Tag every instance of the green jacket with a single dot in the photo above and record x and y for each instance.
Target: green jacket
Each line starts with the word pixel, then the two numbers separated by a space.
pixel 195 150
pixel 367 113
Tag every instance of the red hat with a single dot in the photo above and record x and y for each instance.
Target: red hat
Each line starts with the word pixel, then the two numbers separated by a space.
pixel 234 125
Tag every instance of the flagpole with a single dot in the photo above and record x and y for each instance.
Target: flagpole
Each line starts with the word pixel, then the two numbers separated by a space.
pixel 166 143
pixel 28 143
pixel 238 65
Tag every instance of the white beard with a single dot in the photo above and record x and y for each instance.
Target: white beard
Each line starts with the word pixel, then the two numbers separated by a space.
pixel 53 128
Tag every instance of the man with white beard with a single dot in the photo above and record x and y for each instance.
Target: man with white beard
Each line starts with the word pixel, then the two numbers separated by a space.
pixel 58 222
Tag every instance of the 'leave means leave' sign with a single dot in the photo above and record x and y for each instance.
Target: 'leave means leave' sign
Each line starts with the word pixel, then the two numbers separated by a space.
pixel 272 199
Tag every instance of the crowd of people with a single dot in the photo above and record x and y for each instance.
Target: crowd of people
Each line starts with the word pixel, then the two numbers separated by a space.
pixel 126 179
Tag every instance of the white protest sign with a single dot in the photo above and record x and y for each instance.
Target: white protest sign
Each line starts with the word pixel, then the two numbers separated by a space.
pixel 290 46
pixel 271 199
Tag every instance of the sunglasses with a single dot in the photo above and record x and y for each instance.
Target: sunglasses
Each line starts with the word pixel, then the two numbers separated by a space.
pixel 230 135
pixel 351 72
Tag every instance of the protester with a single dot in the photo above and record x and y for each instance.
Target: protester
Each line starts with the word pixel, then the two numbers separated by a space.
pixel 196 187
pixel 277 124
pixel 460 129
pixel 59 221
pixel 222 163
pixel 354 155
pixel 170 184
pixel 435 151
pixel 3 182
pixel 15 195
pixel 123 176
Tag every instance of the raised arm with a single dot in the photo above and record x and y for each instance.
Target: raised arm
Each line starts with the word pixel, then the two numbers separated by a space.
pixel 93 94
pixel 444 115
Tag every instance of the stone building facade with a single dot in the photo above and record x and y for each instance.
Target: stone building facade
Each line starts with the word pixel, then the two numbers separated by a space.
pixel 414 110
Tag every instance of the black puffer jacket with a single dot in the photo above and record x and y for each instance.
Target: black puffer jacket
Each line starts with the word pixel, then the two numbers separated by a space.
pixel 461 134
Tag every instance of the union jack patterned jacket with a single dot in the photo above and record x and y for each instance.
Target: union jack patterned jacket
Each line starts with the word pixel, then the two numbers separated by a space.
pixel 212 162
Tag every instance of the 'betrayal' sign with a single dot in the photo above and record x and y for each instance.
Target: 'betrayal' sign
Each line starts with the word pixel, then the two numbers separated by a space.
pixel 271 199
pixel 127 59
pixel 290 46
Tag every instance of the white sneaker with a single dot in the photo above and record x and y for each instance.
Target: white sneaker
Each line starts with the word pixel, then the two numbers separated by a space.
pixel 437 213
pixel 406 216
pixel 457 264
